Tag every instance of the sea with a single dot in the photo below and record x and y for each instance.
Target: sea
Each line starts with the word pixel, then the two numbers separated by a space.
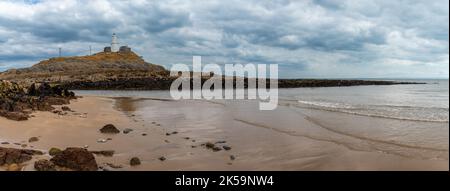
pixel 408 120
pixel 427 102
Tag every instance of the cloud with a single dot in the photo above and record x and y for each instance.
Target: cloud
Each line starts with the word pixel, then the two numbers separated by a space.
pixel 310 38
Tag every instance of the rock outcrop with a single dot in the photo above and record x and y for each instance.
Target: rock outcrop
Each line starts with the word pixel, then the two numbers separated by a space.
pixel 77 159
pixel 16 156
pixel 17 101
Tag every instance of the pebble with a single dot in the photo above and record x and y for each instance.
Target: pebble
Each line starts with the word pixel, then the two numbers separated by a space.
pixel 33 139
pixel 227 148
pixel 126 131
pixel 135 161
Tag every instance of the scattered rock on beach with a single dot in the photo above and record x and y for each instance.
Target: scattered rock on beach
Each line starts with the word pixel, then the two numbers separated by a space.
pixel 65 108
pixel 54 151
pixel 11 155
pixel 33 139
pixel 101 141
pixel 227 148
pixel 232 157
pixel 5 143
pixel 209 145
pixel 77 159
pixel 162 158
pixel 212 146
pixel 44 165
pixel 135 161
pixel 144 134
pixel 172 133
pixel 128 130
pixel 110 129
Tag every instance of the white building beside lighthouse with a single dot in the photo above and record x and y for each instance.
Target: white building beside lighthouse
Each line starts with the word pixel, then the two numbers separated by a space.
pixel 114 43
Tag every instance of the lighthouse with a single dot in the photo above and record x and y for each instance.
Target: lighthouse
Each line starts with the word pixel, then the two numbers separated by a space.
pixel 114 43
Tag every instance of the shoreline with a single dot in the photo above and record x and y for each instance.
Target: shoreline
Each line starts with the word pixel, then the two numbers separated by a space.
pixel 251 147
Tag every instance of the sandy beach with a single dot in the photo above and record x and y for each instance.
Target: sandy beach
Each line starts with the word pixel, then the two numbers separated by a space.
pixel 284 141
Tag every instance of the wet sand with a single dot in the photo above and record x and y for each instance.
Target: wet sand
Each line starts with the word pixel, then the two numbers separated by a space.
pixel 285 139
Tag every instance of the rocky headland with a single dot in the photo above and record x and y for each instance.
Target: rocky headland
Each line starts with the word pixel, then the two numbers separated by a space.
pixel 125 70
pixel 102 66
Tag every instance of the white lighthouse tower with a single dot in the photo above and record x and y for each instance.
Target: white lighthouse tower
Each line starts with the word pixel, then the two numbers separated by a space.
pixel 114 43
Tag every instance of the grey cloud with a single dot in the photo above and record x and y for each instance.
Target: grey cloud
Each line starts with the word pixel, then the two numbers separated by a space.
pixel 307 36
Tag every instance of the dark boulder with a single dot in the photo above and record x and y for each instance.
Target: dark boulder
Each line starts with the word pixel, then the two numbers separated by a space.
pixel 135 161
pixel 227 148
pixel 16 156
pixel 33 139
pixel 110 129
pixel 54 151
pixel 44 165
pixel 77 159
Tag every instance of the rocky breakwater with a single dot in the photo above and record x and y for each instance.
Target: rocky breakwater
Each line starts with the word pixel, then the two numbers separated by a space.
pixel 18 101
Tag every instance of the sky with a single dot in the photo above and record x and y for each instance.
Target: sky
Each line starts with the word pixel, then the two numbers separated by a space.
pixel 306 38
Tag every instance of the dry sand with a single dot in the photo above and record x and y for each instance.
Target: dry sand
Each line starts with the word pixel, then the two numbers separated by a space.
pixel 255 147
